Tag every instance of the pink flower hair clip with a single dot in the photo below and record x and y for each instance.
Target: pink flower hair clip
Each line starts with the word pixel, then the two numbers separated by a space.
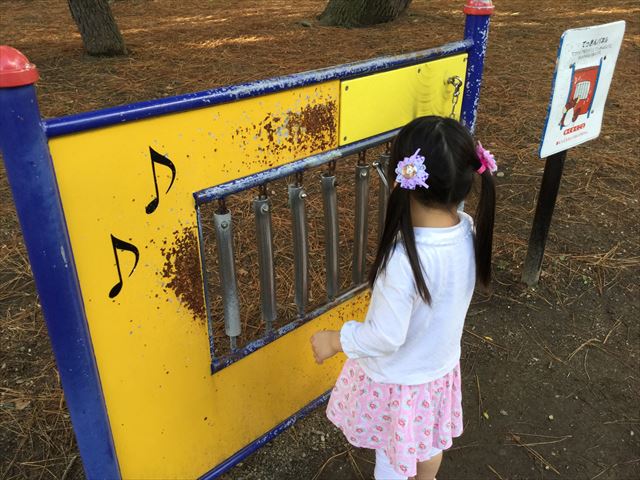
pixel 411 172
pixel 487 160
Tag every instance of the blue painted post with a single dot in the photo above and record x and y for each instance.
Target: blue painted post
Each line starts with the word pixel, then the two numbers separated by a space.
pixel 476 28
pixel 25 151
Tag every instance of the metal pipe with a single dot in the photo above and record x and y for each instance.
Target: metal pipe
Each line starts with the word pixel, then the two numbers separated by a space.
pixel 383 190
pixel 297 197
pixel 330 203
pixel 228 279
pixel 362 223
pixel 262 211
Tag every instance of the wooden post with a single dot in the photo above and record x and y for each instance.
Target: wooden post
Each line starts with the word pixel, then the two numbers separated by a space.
pixel 542 220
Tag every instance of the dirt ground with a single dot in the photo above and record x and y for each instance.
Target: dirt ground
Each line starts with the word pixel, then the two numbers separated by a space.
pixel 551 374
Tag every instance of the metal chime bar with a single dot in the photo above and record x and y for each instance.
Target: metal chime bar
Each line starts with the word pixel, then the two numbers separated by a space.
pixel 383 189
pixel 262 211
pixel 228 280
pixel 362 219
pixel 297 197
pixel 330 204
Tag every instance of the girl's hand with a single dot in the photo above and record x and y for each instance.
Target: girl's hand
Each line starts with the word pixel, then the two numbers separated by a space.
pixel 325 345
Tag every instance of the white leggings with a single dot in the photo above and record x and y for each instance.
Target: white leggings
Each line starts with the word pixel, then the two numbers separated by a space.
pixel 384 470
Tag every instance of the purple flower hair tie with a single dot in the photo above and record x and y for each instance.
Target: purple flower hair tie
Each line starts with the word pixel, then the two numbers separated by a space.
pixel 487 160
pixel 411 172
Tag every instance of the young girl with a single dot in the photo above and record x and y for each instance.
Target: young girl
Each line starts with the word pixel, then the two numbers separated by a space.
pixel 399 391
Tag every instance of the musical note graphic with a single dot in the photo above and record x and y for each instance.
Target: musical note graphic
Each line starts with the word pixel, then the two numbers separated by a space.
pixel 126 246
pixel 162 160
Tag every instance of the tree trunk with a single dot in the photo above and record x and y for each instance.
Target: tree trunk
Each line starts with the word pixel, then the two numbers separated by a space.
pixel 361 13
pixel 98 28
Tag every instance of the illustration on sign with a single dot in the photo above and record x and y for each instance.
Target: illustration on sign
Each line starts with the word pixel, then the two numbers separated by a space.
pixel 581 93
pixel 584 69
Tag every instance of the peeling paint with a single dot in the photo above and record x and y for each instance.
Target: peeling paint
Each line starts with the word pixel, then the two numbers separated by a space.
pixel 64 257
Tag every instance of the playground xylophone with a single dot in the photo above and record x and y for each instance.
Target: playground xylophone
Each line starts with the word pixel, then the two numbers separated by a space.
pixel 110 204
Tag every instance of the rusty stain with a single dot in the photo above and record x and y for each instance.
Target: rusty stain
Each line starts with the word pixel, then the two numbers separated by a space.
pixel 315 124
pixel 313 128
pixel 182 271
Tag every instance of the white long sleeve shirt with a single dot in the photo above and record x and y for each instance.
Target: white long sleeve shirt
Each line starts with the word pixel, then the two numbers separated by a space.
pixel 403 339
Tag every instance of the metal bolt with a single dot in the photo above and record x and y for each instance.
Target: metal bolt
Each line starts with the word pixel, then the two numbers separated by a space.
pixel 224 224
pixel 264 208
pixel 303 195
pixel 363 174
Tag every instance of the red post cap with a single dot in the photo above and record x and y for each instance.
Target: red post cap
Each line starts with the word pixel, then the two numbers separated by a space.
pixel 479 7
pixel 15 69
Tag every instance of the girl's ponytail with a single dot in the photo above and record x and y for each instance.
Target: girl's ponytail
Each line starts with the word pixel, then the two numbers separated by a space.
pixel 398 220
pixel 484 218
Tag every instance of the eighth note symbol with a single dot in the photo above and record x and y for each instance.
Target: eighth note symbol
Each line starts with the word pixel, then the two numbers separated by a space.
pixel 122 245
pixel 162 160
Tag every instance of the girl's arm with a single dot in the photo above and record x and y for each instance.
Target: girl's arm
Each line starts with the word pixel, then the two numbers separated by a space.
pixel 387 323
pixel 325 345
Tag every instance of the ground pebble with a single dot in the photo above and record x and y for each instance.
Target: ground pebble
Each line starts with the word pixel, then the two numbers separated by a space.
pixel 503 412
pixel 550 417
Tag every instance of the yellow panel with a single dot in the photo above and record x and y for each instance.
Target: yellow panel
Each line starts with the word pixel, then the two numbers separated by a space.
pixel 378 103
pixel 170 417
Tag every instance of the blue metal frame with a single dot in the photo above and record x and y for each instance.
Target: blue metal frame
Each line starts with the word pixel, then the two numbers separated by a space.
pixel 476 30
pixel 205 280
pixel 35 192
pixel 112 116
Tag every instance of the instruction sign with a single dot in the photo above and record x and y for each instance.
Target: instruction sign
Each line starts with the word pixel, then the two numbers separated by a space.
pixel 584 69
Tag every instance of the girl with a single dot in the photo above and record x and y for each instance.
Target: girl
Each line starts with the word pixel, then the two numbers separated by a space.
pixel 399 391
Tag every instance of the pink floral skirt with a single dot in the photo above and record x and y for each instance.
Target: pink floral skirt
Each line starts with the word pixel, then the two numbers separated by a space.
pixel 407 422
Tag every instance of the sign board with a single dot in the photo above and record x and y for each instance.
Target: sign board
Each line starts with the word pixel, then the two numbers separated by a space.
pixel 584 69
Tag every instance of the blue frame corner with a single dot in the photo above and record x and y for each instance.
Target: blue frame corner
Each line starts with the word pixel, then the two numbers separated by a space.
pixel 476 29
pixel 35 192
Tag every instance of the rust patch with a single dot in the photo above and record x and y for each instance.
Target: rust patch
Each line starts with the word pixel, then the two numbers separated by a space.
pixel 182 271
pixel 315 124
pixel 314 127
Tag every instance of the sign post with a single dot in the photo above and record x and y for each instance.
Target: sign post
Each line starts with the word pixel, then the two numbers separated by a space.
pixel 584 69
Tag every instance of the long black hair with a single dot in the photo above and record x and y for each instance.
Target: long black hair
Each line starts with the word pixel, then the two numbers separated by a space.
pixel 451 162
